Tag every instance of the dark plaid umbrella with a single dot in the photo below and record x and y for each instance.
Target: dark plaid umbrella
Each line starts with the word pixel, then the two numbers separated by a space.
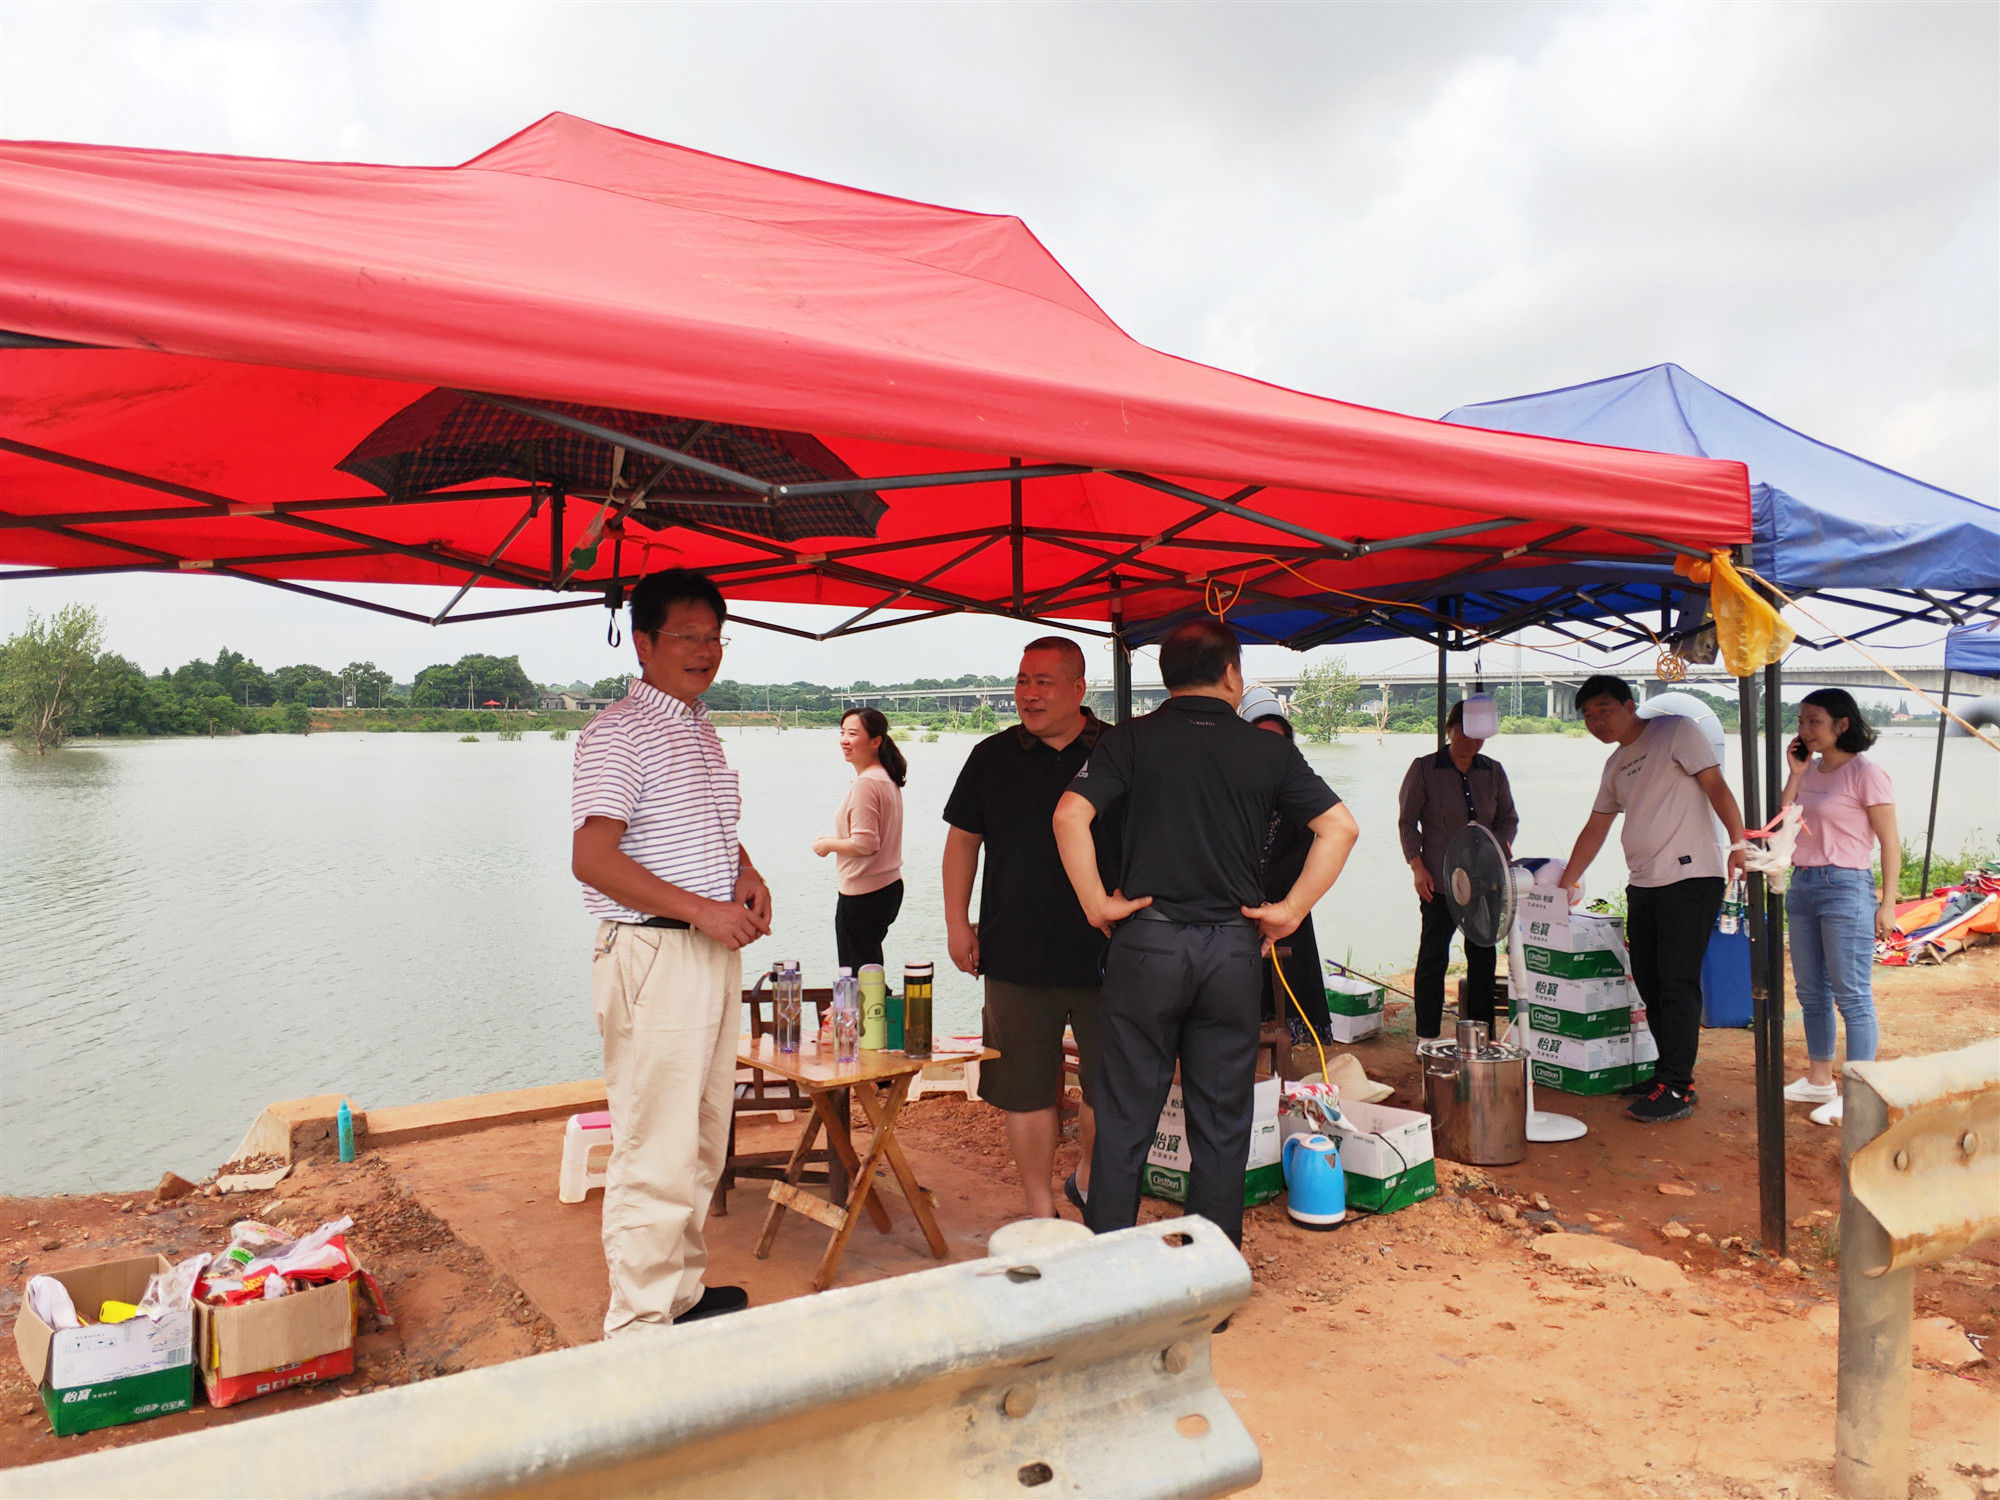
pixel 446 438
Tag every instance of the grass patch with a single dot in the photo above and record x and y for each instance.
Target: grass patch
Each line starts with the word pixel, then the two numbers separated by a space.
pixel 1946 869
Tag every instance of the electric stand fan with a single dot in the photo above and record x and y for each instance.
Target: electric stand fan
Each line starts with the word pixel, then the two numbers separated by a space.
pixel 1483 891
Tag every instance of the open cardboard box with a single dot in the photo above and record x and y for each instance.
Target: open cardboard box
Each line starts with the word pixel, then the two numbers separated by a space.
pixel 1387 1154
pixel 108 1373
pixel 260 1347
pixel 1169 1162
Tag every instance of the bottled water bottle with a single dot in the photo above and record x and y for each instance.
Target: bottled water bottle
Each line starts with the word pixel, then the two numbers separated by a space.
pixel 846 1017
pixel 788 992
pixel 1734 907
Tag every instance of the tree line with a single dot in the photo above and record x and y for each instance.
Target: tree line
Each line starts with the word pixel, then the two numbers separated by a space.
pixel 58 681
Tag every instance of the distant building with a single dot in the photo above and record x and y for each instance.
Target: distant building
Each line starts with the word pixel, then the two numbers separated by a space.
pixel 550 703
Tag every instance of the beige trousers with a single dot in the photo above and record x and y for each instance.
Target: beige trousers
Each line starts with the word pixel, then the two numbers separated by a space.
pixel 667 1006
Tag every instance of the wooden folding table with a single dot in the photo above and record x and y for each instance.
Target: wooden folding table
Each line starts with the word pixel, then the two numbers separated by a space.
pixel 881 1081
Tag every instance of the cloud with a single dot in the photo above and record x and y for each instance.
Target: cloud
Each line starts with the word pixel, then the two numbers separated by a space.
pixel 1410 206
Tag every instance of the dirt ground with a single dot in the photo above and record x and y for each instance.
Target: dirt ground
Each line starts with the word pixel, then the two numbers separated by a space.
pixel 1533 1328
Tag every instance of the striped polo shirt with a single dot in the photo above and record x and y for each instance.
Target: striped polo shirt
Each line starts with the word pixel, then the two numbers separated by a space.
pixel 656 764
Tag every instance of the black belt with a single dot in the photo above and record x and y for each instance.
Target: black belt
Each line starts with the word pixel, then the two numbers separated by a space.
pixel 1153 914
pixel 672 924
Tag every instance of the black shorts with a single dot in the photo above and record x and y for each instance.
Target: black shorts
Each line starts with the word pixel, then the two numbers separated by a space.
pixel 1024 1023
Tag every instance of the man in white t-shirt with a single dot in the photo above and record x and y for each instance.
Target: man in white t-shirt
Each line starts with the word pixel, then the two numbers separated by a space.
pixel 1665 778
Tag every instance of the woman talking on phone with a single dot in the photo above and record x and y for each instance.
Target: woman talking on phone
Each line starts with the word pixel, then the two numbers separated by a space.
pixel 1831 903
pixel 867 838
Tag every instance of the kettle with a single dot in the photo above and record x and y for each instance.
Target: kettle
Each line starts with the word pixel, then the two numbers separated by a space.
pixel 1315 1184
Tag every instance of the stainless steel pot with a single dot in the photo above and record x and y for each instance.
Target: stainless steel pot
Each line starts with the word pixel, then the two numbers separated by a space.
pixel 1477 1100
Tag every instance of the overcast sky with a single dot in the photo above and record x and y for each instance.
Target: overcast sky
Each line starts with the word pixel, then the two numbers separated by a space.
pixel 1407 206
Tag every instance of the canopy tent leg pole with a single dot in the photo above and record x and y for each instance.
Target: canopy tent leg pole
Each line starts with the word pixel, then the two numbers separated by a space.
pixel 1121 658
pixel 1770 1109
pixel 1937 773
pixel 1770 1020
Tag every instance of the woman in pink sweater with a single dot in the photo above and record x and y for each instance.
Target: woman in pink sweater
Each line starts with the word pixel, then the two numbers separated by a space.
pixel 867 839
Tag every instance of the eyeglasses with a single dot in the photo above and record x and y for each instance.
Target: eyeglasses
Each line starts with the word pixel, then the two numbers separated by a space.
pixel 717 641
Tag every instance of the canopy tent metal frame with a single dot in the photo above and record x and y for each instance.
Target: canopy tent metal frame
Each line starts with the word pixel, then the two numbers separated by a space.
pixel 1116 568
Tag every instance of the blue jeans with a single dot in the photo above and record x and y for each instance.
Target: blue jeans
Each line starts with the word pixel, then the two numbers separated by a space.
pixel 1831 912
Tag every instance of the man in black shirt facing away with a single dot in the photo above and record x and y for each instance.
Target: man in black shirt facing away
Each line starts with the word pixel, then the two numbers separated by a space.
pixel 1041 959
pixel 1188 921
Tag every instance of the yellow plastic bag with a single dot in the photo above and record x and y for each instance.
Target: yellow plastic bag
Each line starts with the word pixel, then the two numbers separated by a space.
pixel 1748 632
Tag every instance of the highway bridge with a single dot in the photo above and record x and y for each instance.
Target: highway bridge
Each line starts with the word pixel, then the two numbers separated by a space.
pixel 1541 692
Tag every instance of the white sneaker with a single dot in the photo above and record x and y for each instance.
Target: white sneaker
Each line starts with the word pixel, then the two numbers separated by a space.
pixel 1826 1114
pixel 1804 1091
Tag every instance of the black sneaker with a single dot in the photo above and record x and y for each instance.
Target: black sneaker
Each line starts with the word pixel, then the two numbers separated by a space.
pixel 1636 1090
pixel 715 1301
pixel 1074 1193
pixel 1661 1103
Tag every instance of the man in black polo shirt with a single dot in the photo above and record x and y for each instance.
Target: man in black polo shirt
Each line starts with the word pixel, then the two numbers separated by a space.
pixel 1187 920
pixel 1040 958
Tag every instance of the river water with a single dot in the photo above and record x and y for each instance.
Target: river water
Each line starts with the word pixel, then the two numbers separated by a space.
pixel 191 928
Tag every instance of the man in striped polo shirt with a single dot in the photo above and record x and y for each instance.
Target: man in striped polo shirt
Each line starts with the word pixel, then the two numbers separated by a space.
pixel 654 807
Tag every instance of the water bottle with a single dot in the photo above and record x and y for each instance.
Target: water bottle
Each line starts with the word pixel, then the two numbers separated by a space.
pixel 917 979
pixel 846 1017
pixel 787 993
pixel 874 987
pixel 344 1129
pixel 1733 906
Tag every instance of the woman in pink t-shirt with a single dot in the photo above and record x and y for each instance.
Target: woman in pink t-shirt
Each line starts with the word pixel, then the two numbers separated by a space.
pixel 1832 905
pixel 867 838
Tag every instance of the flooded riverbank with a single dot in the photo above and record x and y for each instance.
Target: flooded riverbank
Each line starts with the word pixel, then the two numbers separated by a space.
pixel 192 928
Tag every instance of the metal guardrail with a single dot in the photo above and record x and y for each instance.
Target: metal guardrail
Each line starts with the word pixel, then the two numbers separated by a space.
pixel 1920 1138
pixel 1074 1369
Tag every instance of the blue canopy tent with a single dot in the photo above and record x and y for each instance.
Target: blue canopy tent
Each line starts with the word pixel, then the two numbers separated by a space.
pixel 1969 648
pixel 1974 648
pixel 1825 523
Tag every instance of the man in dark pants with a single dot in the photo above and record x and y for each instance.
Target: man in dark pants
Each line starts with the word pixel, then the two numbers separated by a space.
pixel 1197 787
pixel 1664 777
pixel 1442 792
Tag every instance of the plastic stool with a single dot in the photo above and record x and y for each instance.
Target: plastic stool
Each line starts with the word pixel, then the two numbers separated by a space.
pixel 950 1076
pixel 583 1135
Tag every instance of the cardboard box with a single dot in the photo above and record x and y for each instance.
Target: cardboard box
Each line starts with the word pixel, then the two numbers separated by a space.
pixel 1168 1162
pixel 1645 1051
pixel 1569 944
pixel 1388 1156
pixel 1581 1008
pixel 1344 1028
pixel 1353 1008
pixel 108 1373
pixel 1594 1065
pixel 1354 997
pixel 260 1347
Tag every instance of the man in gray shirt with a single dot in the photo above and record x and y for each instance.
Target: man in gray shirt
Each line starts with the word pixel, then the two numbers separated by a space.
pixel 1442 792
pixel 1665 778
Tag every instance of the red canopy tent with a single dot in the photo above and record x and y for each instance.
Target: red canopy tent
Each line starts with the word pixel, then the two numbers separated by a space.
pixel 195 342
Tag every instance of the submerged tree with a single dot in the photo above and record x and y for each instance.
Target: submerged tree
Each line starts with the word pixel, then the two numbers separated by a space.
pixel 48 675
pixel 1324 699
